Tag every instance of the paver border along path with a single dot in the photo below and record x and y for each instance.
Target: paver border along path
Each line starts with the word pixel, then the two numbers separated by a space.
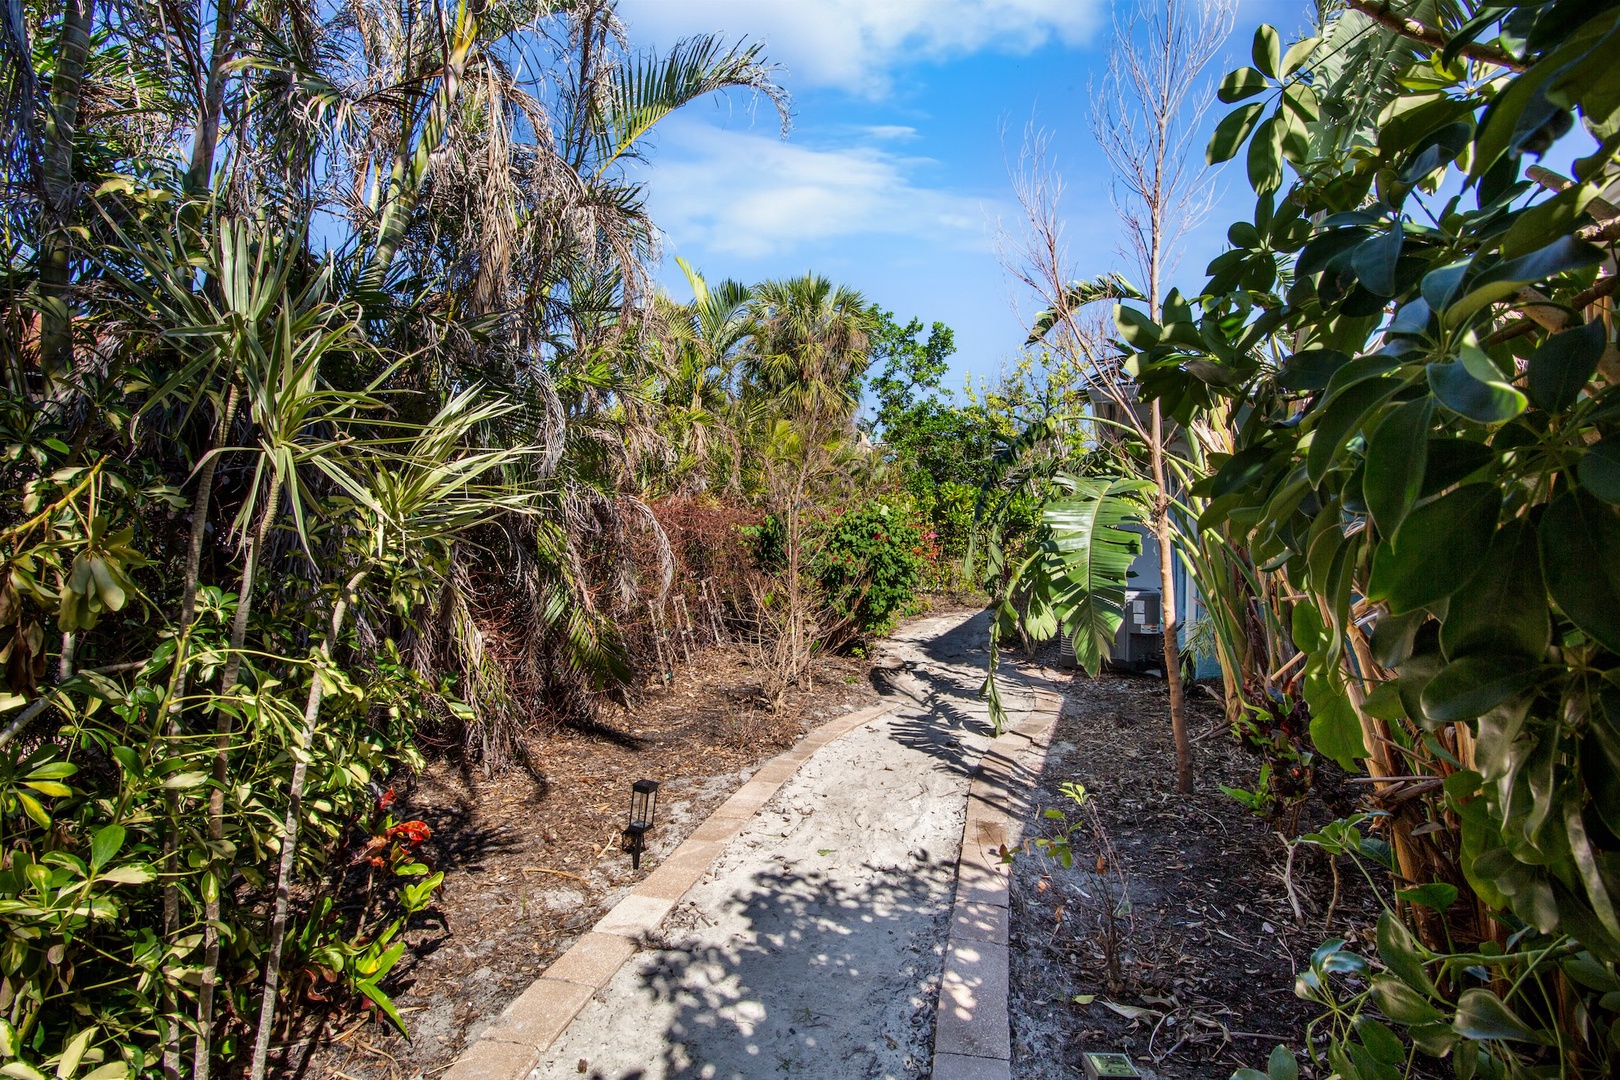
pixel 972 1030
pixel 513 1044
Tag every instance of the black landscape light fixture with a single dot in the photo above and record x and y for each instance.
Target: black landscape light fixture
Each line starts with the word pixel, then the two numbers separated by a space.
pixel 643 800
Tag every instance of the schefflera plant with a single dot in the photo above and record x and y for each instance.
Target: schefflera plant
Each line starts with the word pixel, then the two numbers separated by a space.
pixel 1416 333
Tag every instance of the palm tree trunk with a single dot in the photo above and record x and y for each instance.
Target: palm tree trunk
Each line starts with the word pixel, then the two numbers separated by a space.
pixel 289 839
pixel 56 177
pixel 199 178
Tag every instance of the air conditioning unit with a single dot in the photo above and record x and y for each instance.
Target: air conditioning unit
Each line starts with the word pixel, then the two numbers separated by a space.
pixel 1140 641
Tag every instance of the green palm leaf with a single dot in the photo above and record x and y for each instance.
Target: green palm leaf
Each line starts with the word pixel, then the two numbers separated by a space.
pixel 646 89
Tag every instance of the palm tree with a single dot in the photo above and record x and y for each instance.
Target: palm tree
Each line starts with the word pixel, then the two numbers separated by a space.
pixel 809 349
pixel 701 346
pixel 802 368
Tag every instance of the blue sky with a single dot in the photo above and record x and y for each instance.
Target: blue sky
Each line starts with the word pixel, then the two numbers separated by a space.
pixel 894 174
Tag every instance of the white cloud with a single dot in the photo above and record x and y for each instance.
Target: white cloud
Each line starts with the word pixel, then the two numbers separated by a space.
pixel 749 194
pixel 854 44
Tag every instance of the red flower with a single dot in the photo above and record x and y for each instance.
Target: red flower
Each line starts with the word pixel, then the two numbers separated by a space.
pixel 411 832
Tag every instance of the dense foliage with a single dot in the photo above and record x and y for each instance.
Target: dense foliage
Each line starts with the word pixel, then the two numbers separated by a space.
pixel 341 421
pixel 1408 353
pixel 868 566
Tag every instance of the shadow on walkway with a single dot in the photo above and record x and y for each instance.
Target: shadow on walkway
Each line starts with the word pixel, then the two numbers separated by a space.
pixel 826 958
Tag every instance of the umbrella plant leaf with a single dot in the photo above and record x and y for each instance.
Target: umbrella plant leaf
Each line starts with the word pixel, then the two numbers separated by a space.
pixel 1474 685
pixel 1340 419
pixel 1565 363
pixel 1488 402
pixel 1374 260
pixel 1580 545
pixel 1438 548
pixel 1503 607
pixel 1599 470
pixel 1397 453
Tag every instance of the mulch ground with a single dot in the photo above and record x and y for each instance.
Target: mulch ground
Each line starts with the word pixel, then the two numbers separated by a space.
pixel 1193 973
pixel 530 856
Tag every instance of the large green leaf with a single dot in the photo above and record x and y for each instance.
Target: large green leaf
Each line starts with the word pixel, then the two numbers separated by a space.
pixel 1397 454
pixel 1340 419
pixel 1474 685
pixel 1136 328
pixel 1451 461
pixel 1243 83
pixel 1491 402
pixel 1267 50
pixel 1504 607
pixel 1599 470
pixel 1564 364
pixel 1481 1015
pixel 1265 156
pixel 1401 953
pixel 1231 131
pixel 1087 556
pixel 1505 279
pixel 1335 727
pixel 1580 556
pixel 1311 369
pixel 1374 260
pixel 1438 548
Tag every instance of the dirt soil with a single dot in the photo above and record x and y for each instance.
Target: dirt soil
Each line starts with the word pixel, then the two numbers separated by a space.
pixel 1195 976
pixel 531 861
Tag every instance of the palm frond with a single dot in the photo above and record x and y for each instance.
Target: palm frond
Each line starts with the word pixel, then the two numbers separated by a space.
pixel 643 90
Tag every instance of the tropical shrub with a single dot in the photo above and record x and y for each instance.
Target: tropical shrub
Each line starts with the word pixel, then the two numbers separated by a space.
pixel 867 567
pixel 1418 331
pixel 1274 727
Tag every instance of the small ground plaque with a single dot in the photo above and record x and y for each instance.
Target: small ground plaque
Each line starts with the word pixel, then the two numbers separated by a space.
pixel 1105 1064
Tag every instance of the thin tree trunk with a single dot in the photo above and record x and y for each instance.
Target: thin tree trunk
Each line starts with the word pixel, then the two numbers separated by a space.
pixel 56 176
pixel 64 665
pixel 1169 617
pixel 244 599
pixel 1167 608
pixel 202 1058
pixel 175 704
pixel 289 839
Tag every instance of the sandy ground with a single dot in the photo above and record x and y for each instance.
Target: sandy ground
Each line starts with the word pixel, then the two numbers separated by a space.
pixel 814 946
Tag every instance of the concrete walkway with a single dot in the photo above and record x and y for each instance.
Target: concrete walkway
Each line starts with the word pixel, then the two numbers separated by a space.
pixel 816 935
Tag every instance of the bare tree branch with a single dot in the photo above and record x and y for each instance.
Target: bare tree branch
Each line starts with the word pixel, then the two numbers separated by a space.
pixel 1381 14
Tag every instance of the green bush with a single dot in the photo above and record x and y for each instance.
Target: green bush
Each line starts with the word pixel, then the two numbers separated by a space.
pixel 869 564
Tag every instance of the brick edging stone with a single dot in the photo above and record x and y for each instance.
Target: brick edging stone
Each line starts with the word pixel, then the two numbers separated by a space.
pixel 512 1045
pixel 972 1030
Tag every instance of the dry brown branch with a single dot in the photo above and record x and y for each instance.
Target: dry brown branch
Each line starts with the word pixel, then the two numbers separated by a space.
pixel 1523 326
pixel 1381 14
